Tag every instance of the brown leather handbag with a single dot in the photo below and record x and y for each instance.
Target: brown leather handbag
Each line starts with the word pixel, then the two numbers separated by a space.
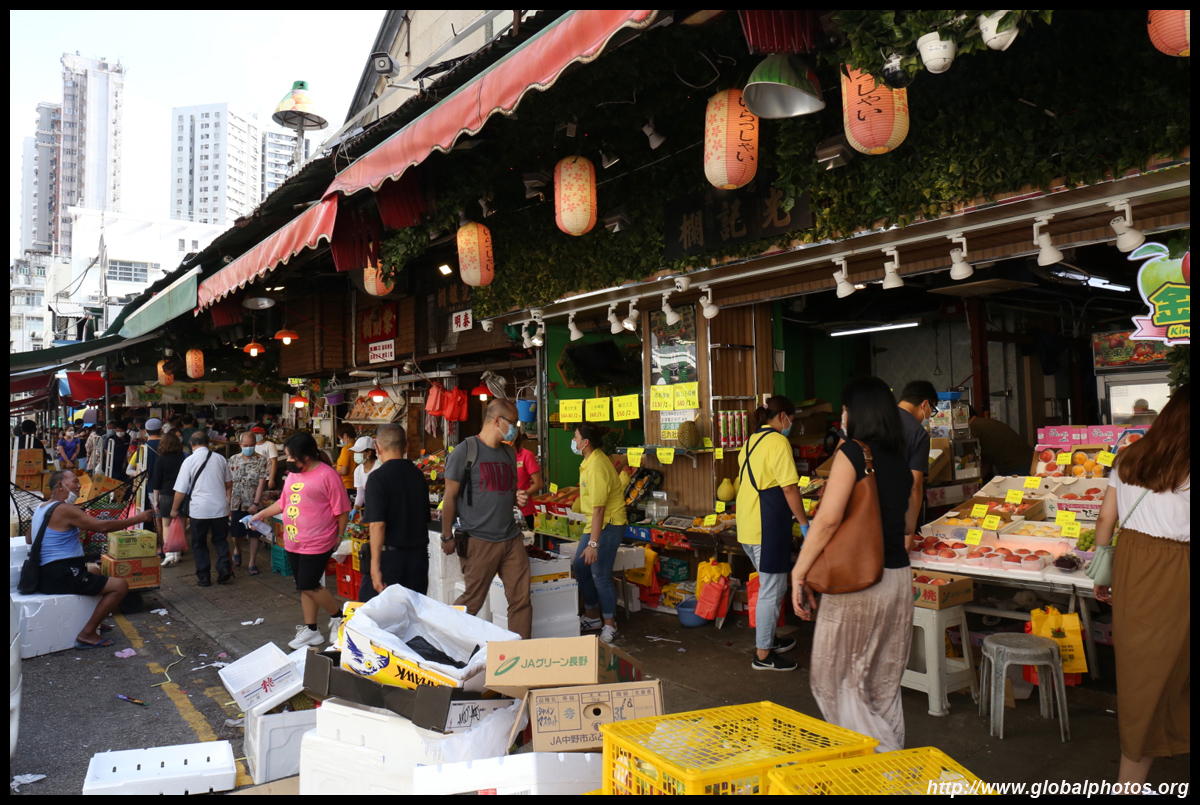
pixel 853 557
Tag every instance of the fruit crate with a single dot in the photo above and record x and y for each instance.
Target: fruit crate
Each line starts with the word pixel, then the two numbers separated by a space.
pixel 725 750
pixel 906 771
pixel 279 561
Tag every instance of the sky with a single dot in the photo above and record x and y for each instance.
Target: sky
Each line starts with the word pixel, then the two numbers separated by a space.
pixel 181 58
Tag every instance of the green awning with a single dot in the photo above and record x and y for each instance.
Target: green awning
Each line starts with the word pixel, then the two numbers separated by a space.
pixel 60 357
pixel 175 300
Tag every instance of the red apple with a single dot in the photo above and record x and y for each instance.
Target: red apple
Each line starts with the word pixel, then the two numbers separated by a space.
pixel 1095 490
pixel 942 545
pixel 958 546
pixel 1031 559
pixel 975 555
pixel 930 552
pixel 1051 466
pixel 1070 496
pixel 1042 553
pixel 1022 551
pixel 939 582
pixel 1004 551
pixel 1047 455
pixel 1016 560
pixel 946 553
pixel 921 579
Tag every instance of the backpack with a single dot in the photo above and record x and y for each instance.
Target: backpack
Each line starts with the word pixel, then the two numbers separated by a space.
pixel 472 448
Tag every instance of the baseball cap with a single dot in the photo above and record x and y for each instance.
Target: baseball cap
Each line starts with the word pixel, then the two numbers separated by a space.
pixel 363 443
pixel 154 424
pixel 257 429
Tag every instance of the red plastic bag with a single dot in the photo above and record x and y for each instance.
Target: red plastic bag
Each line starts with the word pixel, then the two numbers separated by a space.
pixel 435 400
pixel 752 600
pixel 714 601
pixel 176 540
pixel 455 408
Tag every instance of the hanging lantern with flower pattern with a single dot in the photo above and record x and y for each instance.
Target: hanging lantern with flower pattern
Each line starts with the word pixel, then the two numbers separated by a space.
pixel 374 282
pixel 730 141
pixel 1171 31
pixel 165 376
pixel 575 195
pixel 476 265
pixel 195 364
pixel 874 114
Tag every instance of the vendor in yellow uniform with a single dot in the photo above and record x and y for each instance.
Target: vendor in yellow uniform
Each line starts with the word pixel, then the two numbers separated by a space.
pixel 767 500
pixel 602 498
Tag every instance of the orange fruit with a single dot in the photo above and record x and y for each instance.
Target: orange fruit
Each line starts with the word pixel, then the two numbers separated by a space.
pixel 1078 470
pixel 1089 465
pixel 1098 472
pixel 1080 457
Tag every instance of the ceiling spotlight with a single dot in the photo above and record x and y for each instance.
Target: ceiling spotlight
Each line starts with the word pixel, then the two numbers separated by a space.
pixel 617 327
pixel 891 270
pixel 445 269
pixel 706 303
pixel 258 302
pixel 1048 255
pixel 539 337
pixel 485 204
pixel 656 139
pixel 630 322
pixel 844 288
pixel 526 341
pixel 960 269
pixel 573 328
pixel 672 317
pixel 608 158
pixel 783 86
pixel 1128 238
pixel 834 152
pixel 683 283
pixel 617 221
pixel 894 74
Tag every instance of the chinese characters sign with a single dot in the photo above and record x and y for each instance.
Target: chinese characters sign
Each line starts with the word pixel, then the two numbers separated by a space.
pixel 1166 288
pixel 710 221
pixel 381 352
pixel 461 321
pixel 377 323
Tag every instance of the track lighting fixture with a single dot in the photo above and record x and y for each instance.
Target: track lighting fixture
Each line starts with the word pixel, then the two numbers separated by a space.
pixel 576 333
pixel 539 337
pixel 617 327
pixel 706 303
pixel 445 269
pixel 1047 254
pixel 656 139
pixel 1128 238
pixel 672 317
pixel 608 157
pixel 960 269
pixel 617 221
pixel 891 270
pixel 844 288
pixel 631 321
pixel 526 341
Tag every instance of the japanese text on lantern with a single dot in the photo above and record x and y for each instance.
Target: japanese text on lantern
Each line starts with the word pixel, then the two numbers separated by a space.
pixel 867 99
pixel 747 125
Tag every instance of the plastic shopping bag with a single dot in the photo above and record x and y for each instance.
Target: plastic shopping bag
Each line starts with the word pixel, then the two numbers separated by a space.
pixel 1064 630
pixel 176 540
pixel 714 601
pixel 752 601
pixel 644 576
pixel 708 572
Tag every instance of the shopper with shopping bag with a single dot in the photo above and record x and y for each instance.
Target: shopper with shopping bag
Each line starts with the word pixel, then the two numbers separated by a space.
pixel 855 555
pixel 602 501
pixel 1149 587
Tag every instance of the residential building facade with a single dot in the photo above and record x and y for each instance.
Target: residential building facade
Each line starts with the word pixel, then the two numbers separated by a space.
pixel 31 281
pixel 216 164
pixel 40 181
pixel 278 153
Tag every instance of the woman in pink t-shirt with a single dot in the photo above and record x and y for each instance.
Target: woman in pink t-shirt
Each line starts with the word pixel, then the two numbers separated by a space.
pixel 315 509
pixel 529 476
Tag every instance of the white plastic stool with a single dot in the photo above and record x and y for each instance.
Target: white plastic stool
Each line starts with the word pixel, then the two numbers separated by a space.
pixel 942 674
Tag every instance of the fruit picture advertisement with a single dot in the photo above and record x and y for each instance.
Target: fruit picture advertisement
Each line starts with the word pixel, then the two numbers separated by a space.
pixel 1165 283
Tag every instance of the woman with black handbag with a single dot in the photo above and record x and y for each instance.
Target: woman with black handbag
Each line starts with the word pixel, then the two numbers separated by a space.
pixel 855 554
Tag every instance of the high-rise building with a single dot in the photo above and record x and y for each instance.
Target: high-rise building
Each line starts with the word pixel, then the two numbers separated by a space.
pixel 31 283
pixel 40 219
pixel 216 164
pixel 278 153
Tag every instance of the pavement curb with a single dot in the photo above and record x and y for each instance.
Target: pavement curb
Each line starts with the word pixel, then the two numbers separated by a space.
pixel 180 600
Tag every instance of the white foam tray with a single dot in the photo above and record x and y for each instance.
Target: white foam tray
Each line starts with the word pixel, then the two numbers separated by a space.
pixel 50 623
pixel 566 773
pixel 272 745
pixel 263 678
pixel 328 766
pixel 185 769
pixel 562 626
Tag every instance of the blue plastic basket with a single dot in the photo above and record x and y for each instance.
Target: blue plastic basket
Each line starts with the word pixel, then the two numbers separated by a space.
pixel 687 614
pixel 949 395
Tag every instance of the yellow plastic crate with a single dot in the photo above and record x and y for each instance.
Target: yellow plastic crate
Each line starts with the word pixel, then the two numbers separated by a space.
pixel 907 771
pixel 725 750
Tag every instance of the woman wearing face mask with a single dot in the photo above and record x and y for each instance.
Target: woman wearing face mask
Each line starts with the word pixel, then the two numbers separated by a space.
pixel 364 461
pixel 315 510
pixel 602 497
pixel 345 460
pixel 768 499
pixel 68 450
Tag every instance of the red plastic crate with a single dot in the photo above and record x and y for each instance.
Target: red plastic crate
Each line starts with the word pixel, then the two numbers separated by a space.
pixel 331 567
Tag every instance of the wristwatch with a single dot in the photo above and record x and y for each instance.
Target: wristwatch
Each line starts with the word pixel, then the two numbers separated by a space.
pixel 593 544
pixel 447 539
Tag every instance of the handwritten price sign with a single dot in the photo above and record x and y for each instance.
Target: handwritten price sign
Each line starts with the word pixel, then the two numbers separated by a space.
pixel 973 536
pixel 570 410
pixel 597 409
pixel 1033 482
pixel 1105 458
pixel 665 455
pixel 1071 530
pixel 687 396
pixel 625 408
pixel 991 522
pixel 1064 517
pixel 979 510
pixel 662 398
pixel 634 454
pixel 1014 496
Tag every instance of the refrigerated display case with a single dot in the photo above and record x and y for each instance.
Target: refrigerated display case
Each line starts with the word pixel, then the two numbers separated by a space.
pixel 1131 378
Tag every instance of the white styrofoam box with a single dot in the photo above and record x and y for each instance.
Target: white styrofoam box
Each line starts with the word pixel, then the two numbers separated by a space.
pixel 564 773
pixel 328 766
pixel 184 769
pixel 265 676
pixel 629 556
pixel 549 599
pixel 357 724
pixel 467 713
pixel 548 567
pixel 50 623
pixel 441 591
pixel 298 658
pixel 628 595
pixel 561 626
pixel 485 611
pixel 18 551
pixel 272 745
pixel 442 566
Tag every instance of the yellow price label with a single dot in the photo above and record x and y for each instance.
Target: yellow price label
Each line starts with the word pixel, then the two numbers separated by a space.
pixel 1014 496
pixel 1071 530
pixel 441 503
pixel 1105 458
pixel 449 449
pixel 720 507
pixel 553 489
pixel 665 455
pixel 634 454
pixel 1064 517
pixel 719 453
pixel 625 408
pixel 707 442
pixel 662 398
pixel 809 505
pixel 597 410
pixel 570 410
pixel 1063 459
pixel 979 510
pixel 1033 482
pixel 433 475
pixel 710 519
pixel 805 481
pixel 687 396
pixel 991 522
pixel 973 536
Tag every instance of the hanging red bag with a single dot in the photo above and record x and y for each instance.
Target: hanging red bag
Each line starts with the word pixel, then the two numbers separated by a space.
pixel 456 406
pixel 752 601
pixel 714 601
pixel 176 540
pixel 435 400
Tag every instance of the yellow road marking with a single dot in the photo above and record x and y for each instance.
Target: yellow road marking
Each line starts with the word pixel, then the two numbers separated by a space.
pixel 131 633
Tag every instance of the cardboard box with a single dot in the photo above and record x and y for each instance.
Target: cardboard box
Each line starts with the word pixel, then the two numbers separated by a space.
pixel 957 590
pixel 92 487
pixel 1056 435
pixel 30 483
pixel 940 467
pixel 1071 494
pixel 810 421
pixel 568 719
pixel 1127 436
pixel 957 532
pixel 141 572
pixel 1088 469
pixel 517 666
pixel 999 486
pixel 30 462
pixel 1101 434
pixel 134 543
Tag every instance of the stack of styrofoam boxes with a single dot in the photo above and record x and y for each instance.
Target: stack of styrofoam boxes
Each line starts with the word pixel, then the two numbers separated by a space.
pixel 444 571
pixel 18 552
pixel 485 611
pixel 272 746
pixel 49 623
pixel 567 773
pixel 555 607
pixel 184 769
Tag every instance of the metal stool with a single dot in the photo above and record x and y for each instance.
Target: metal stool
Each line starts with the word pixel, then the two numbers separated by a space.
pixel 942 674
pixel 1003 650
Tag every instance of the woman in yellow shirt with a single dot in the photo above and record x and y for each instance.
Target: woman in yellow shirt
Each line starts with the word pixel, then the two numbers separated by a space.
pixel 601 496
pixel 767 499
pixel 345 460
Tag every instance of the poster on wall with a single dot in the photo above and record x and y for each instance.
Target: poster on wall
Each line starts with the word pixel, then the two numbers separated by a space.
pixel 673 347
pixel 199 393
pixel 1165 283
pixel 1121 350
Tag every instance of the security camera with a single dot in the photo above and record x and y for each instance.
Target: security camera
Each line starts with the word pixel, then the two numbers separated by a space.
pixel 487 325
pixel 385 65
pixel 682 283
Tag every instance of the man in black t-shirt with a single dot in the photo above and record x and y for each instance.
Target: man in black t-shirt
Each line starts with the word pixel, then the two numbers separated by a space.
pixel 398 512
pixel 918 401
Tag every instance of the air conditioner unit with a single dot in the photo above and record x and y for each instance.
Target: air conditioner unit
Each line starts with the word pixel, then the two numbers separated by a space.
pixel 35 335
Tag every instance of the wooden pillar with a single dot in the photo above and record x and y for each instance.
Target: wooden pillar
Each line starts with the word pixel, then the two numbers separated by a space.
pixel 977 323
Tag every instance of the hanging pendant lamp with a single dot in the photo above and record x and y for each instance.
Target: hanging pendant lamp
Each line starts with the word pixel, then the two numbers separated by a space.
pixel 476 263
pixel 783 86
pixel 195 364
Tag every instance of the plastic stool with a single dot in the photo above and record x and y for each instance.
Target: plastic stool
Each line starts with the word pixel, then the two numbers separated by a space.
pixel 1003 650
pixel 942 674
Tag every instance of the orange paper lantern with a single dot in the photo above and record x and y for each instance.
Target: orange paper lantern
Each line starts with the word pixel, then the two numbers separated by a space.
pixel 374 282
pixel 1171 31
pixel 575 195
pixel 195 364
pixel 730 141
pixel 874 114
pixel 476 265
pixel 165 376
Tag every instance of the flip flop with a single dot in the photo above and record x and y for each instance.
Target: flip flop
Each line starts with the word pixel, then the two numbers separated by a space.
pixel 237 560
pixel 253 570
pixel 81 646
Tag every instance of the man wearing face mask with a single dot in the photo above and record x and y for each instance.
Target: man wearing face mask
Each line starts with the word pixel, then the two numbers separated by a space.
pixel 918 401
pixel 481 490
pixel 249 471
pixel 268 451
pixel 116 445
pixel 397 509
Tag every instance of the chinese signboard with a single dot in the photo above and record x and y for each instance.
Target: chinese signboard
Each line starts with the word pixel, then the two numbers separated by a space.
pixel 461 321
pixel 381 351
pixel 1121 349
pixel 707 222
pixel 1166 288
pixel 377 323
pixel 212 393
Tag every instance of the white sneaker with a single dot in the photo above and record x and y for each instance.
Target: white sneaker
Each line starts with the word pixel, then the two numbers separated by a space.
pixel 335 623
pixel 608 634
pixel 587 624
pixel 171 558
pixel 306 637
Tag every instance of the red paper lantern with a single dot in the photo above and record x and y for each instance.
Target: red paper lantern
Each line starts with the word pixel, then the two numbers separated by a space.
pixel 730 141
pixel 195 364
pixel 874 114
pixel 374 282
pixel 476 265
pixel 165 376
pixel 1171 31
pixel 575 195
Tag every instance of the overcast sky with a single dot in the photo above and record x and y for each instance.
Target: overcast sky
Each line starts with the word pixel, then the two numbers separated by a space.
pixel 180 58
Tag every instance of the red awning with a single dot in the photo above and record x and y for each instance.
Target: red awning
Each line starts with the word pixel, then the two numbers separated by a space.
pixel 18 385
pixel 28 404
pixel 537 64
pixel 90 386
pixel 303 232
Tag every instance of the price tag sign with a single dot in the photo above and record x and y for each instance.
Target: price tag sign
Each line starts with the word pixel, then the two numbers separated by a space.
pixel 973 536
pixel 570 410
pixel 1033 482
pixel 433 475
pixel 662 398
pixel 1071 530
pixel 979 510
pixel 710 519
pixel 805 481
pixel 1063 459
pixel 809 505
pixel 991 522
pixel 719 453
pixel 665 455
pixel 553 489
pixel 441 503
pixel 597 410
pixel 1014 496
pixel 687 396
pixel 625 408
pixel 634 454
pixel 708 442
pixel 449 449
pixel 1064 517
pixel 1105 458
pixel 720 507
